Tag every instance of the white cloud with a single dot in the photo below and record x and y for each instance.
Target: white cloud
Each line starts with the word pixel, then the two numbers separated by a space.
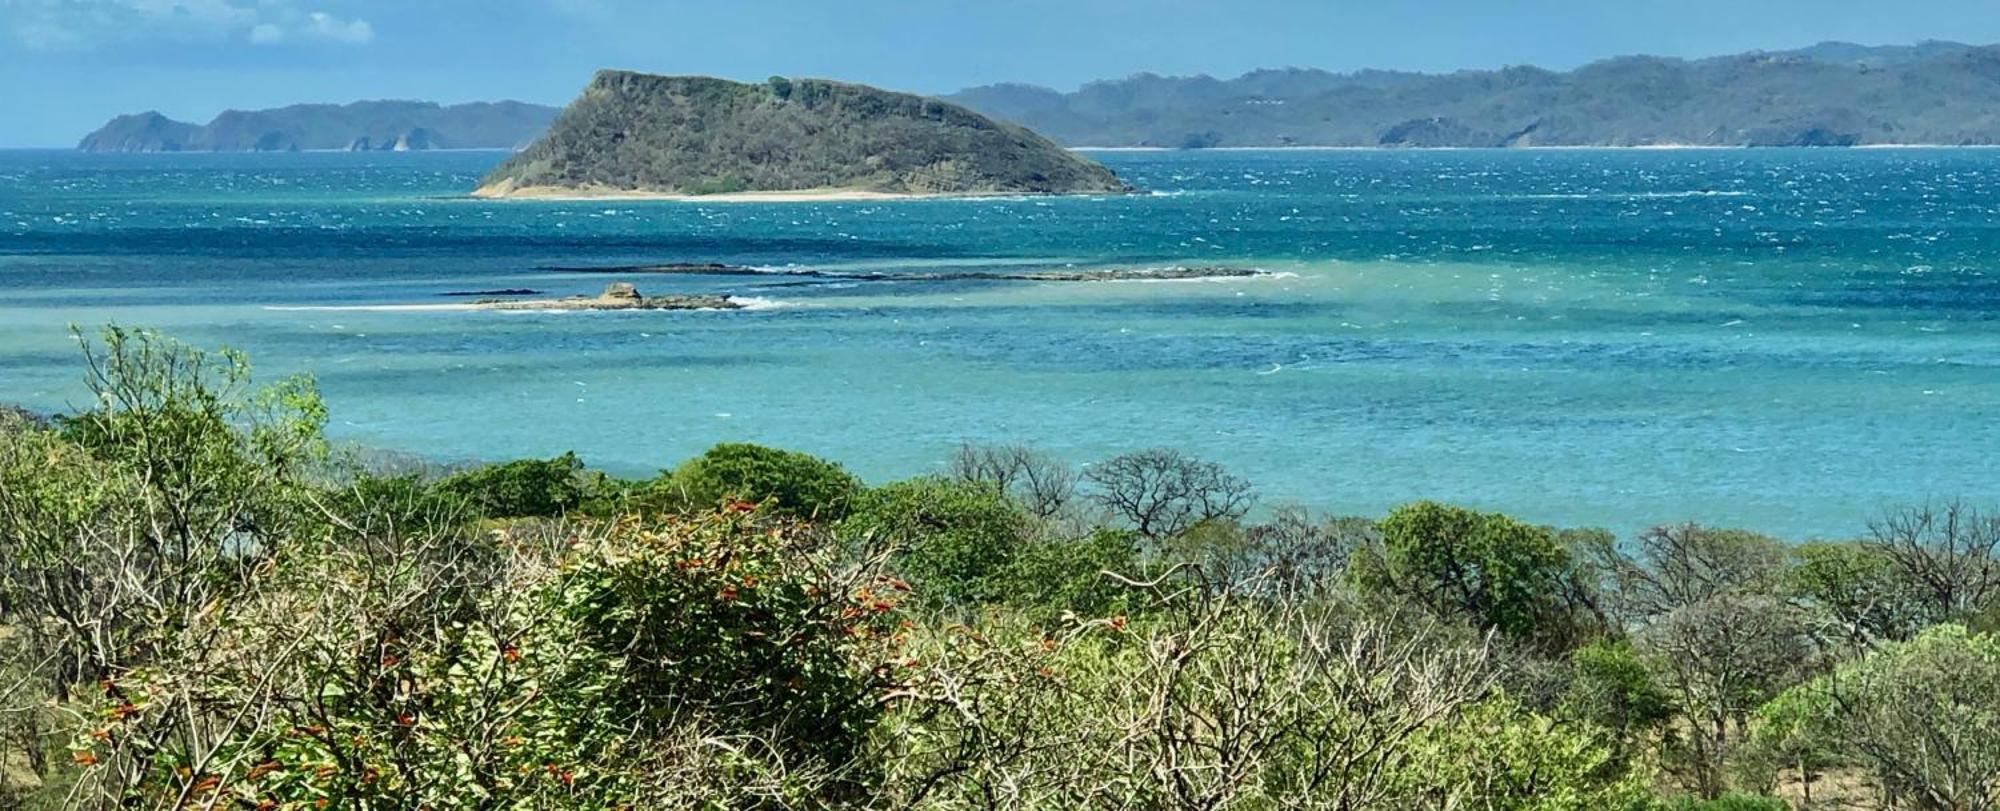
pixel 327 26
pixel 68 25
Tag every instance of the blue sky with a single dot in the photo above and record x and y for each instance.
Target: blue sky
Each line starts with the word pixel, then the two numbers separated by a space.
pixel 67 65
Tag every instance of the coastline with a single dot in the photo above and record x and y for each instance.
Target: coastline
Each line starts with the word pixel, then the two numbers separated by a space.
pixel 1535 148
pixel 560 194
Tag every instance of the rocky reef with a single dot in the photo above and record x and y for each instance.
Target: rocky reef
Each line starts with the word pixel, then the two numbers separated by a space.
pixel 616 296
pixel 1099 275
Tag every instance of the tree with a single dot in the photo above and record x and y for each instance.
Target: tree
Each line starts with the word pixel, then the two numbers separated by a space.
pixel 1720 659
pixel 1482 568
pixel 1949 551
pixel 788 482
pixel 1613 687
pixel 1859 589
pixel 1682 565
pixel 1924 715
pixel 1290 553
pixel 1163 492
pixel 1043 484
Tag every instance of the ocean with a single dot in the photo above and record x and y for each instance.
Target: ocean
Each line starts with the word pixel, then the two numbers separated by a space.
pixel 1782 340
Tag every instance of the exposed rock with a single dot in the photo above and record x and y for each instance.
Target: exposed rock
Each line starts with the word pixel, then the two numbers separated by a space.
pixel 618 296
pixel 1107 275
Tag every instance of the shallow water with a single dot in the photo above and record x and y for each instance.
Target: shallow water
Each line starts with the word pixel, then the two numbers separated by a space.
pixel 1786 340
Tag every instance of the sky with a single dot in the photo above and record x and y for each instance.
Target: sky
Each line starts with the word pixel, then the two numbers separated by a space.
pixel 68 65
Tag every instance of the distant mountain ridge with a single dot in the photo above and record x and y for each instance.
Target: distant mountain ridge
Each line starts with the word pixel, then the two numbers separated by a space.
pixel 636 133
pixel 1831 94
pixel 362 125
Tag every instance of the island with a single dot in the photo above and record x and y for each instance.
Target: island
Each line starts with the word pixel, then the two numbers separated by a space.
pixel 363 126
pixel 616 296
pixel 639 135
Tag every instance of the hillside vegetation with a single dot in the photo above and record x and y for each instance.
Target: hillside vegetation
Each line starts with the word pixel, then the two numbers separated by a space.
pixel 696 135
pixel 362 125
pixel 203 604
pixel 1834 94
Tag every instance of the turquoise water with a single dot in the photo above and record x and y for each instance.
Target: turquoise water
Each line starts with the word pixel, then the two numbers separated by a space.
pixel 1783 340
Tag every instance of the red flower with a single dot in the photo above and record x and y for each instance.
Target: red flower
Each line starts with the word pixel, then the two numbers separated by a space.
pixel 1118 623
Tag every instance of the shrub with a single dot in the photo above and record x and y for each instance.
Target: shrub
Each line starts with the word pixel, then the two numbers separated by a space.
pixel 739 620
pixel 524 488
pixel 788 482
pixel 1924 715
pixel 1050 578
pixel 1612 687
pixel 953 540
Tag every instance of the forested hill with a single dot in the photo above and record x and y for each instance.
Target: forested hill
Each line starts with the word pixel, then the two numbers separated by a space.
pixel 1832 94
pixel 633 132
pixel 362 125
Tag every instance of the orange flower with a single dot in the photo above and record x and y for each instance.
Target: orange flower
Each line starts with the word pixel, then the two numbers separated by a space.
pixel 390 660
pixel 740 506
pixel 84 758
pixel 102 734
pixel 1118 623
pixel 511 654
pixel 124 710
pixel 261 769
pixel 207 783
pixel 406 719
pixel 267 804
pixel 728 594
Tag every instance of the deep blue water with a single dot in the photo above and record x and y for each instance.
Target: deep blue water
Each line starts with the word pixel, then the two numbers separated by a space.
pixel 1787 340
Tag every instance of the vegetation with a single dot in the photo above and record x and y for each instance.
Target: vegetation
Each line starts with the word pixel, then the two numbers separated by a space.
pixel 1827 95
pixel 696 135
pixel 204 605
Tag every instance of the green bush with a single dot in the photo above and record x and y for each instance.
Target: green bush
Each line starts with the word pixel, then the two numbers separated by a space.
pixel 730 618
pixel 1924 715
pixel 1049 578
pixel 786 482
pixel 524 488
pixel 953 540
pixel 1483 568
pixel 1612 687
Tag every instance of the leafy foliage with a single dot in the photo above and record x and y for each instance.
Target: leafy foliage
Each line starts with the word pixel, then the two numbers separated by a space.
pixel 1484 568
pixel 788 482
pixel 954 540
pixel 524 488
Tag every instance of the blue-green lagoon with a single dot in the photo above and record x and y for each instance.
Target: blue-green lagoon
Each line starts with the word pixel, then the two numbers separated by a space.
pixel 1786 340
